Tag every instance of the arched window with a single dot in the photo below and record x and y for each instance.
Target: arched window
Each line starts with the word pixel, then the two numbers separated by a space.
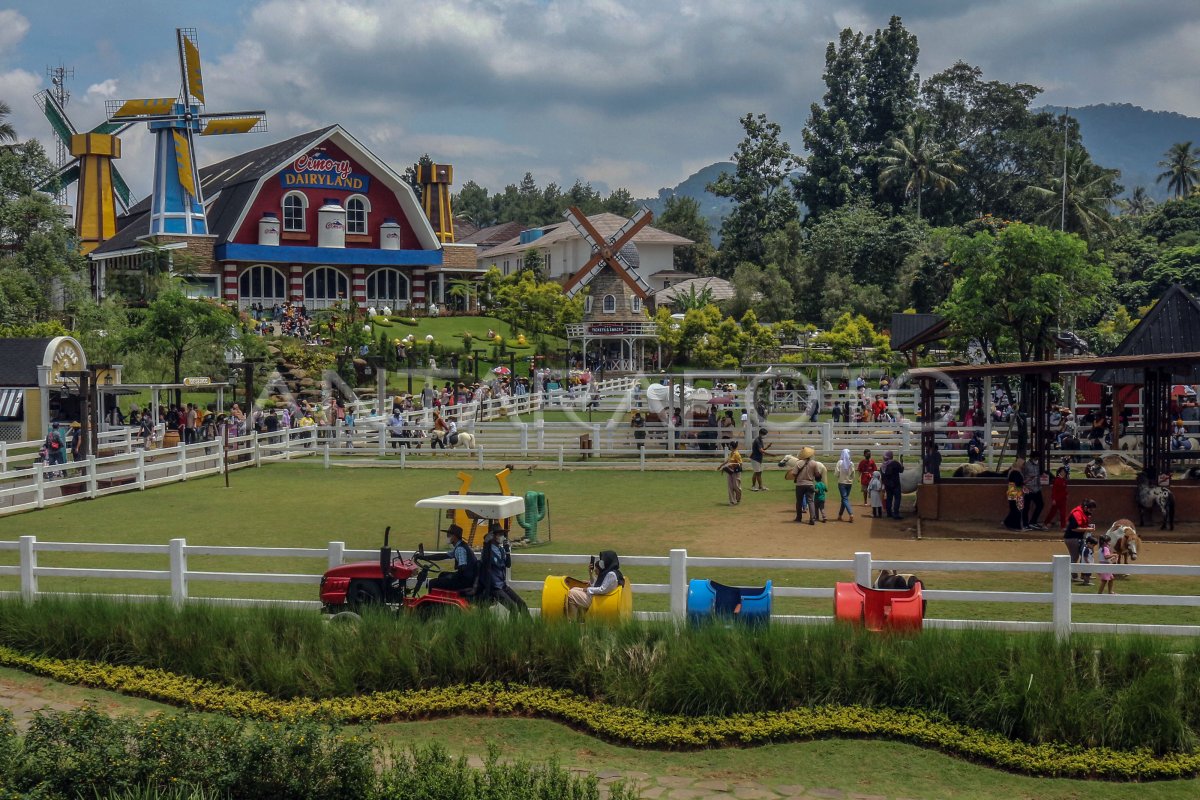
pixel 610 304
pixel 294 206
pixel 357 208
pixel 635 304
pixel 387 287
pixel 324 286
pixel 261 284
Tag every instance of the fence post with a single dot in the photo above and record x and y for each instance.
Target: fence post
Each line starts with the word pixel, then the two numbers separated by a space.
pixel 337 551
pixel 524 439
pixel 140 460
pixel 642 459
pixel 178 570
pixel 560 458
pixel 906 440
pixel 383 440
pixel 827 437
pixel 679 583
pixel 182 461
pixel 257 452
pixel 39 480
pixel 595 441
pixel 3 456
pixel 326 452
pixel 29 585
pixel 403 456
pixel 671 434
pixel 479 456
pixel 540 425
pixel 92 477
pixel 862 569
pixel 1060 571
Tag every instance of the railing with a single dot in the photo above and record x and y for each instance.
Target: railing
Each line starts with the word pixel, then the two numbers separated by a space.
pixel 679 565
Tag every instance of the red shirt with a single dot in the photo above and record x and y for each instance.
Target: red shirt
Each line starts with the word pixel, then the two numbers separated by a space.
pixel 1058 489
pixel 865 468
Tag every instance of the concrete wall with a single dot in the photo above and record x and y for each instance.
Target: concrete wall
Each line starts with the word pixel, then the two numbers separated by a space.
pixel 982 499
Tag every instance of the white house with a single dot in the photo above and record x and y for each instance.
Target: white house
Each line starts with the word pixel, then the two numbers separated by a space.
pixel 564 251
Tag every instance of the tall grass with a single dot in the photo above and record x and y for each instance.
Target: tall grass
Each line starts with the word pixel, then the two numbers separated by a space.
pixel 1126 692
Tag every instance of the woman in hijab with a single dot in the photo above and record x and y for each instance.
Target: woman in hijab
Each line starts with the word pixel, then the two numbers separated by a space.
pixel 845 479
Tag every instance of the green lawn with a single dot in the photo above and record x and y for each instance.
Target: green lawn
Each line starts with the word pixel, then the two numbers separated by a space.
pixel 300 504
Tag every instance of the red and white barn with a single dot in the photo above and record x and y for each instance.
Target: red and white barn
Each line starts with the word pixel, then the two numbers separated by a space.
pixel 316 218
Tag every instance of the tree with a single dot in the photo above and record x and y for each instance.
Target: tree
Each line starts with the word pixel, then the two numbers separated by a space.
pixel 915 161
pixel 533 261
pixel 620 202
pixel 473 204
pixel 7 132
pixel 40 265
pixel 178 326
pixel 852 337
pixel 1019 285
pixel 1137 204
pixel 534 307
pixel 681 216
pixel 870 93
pixel 694 299
pixel 1090 192
pixel 1181 169
pixel 762 164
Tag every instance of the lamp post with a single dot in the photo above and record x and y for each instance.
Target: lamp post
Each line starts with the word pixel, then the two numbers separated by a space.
pixel 475 362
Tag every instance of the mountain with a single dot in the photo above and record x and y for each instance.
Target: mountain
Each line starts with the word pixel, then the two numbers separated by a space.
pixel 1133 140
pixel 712 208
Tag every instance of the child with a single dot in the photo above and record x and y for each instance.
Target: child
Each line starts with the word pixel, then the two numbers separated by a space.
pixel 1106 578
pixel 1058 497
pixel 1087 555
pixel 875 490
pixel 819 490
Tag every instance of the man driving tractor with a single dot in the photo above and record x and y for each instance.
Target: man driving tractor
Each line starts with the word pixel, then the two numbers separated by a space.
pixel 466 564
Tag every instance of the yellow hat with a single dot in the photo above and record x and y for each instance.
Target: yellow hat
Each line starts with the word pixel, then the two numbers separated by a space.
pixel 807 452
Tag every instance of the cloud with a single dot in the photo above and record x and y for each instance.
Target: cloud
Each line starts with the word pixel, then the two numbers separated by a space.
pixel 106 88
pixel 13 27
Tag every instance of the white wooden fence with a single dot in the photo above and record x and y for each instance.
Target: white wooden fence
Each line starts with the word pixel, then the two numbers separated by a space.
pixel 680 566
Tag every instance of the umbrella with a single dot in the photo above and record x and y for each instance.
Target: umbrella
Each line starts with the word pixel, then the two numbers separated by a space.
pixel 1179 390
pixel 721 401
pixel 502 370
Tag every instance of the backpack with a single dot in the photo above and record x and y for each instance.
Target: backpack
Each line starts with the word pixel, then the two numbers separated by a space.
pixel 53 442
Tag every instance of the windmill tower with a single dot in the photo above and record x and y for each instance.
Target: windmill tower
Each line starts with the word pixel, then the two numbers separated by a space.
pixel 435 181
pixel 85 159
pixel 176 203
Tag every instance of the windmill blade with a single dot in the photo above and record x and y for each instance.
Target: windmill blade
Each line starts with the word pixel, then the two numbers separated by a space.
pixel 189 64
pixel 140 109
pixel 183 159
pixel 57 116
pixel 249 122
pixel 61 179
pixel 112 128
pixel 120 189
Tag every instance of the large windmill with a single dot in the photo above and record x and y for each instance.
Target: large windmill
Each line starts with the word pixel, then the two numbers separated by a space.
pixel 176 204
pixel 100 187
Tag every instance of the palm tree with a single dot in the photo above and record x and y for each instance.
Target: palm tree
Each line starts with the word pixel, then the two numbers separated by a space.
pixel 7 132
pixel 1089 194
pixel 1182 169
pixel 1138 204
pixel 912 159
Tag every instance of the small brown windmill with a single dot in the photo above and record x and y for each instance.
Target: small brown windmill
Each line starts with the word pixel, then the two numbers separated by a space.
pixel 607 252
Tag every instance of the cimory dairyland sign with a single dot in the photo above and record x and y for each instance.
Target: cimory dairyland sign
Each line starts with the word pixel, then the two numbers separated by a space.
pixel 322 172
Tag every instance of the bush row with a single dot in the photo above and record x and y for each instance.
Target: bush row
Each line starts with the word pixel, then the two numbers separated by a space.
pixel 624 725
pixel 184 757
pixel 1122 693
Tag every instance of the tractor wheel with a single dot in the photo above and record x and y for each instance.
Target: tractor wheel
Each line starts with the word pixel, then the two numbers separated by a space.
pixel 362 594
pixel 345 618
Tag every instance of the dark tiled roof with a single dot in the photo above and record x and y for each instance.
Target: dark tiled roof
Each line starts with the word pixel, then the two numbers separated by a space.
pixel 1172 326
pixel 20 359
pixel 230 181
pixel 912 330
pixel 492 235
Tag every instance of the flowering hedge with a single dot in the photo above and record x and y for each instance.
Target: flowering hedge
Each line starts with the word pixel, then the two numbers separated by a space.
pixel 623 725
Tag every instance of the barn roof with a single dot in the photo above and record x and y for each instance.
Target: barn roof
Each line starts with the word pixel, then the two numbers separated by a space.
pixel 20 359
pixel 1171 326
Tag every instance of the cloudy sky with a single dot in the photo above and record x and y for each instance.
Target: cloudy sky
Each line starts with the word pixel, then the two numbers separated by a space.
pixel 632 93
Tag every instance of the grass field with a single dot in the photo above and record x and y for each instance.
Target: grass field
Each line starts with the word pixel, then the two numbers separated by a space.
pixel 300 504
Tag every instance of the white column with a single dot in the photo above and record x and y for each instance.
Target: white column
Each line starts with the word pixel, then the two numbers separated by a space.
pixel 679 583
pixel 862 569
pixel 1060 571
pixel 28 555
pixel 178 555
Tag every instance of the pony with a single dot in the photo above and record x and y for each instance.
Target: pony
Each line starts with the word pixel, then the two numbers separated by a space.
pixel 438 439
pixel 1123 540
pixel 1150 497
pixel 976 470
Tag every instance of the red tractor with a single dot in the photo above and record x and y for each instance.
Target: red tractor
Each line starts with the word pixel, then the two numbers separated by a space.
pixel 393 581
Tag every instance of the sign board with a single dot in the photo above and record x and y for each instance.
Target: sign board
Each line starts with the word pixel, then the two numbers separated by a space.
pixel 1044 479
pixel 197 381
pixel 614 328
pixel 927 478
pixel 319 171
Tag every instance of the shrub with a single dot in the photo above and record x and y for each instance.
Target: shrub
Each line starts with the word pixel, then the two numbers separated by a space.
pixel 382 321
pixel 409 321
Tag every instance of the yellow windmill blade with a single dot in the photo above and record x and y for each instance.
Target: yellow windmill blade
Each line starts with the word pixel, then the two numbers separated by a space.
pixel 183 159
pixel 214 127
pixel 154 107
pixel 191 67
